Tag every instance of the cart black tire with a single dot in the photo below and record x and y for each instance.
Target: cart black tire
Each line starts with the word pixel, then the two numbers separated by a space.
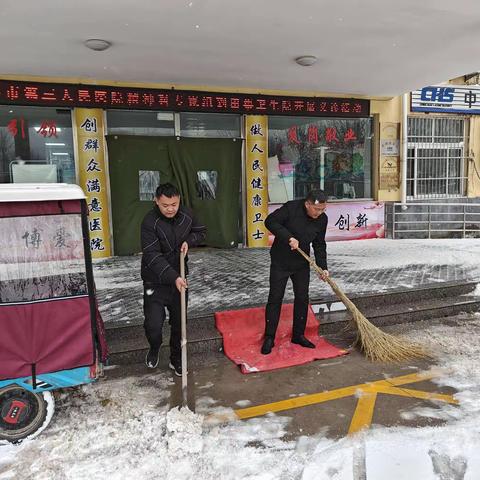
pixel 23 414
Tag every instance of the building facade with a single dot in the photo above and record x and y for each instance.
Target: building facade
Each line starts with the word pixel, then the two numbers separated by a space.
pixel 234 155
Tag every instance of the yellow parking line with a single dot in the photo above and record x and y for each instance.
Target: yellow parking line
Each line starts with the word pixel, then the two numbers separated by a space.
pixel 405 379
pixel 387 386
pixel 295 402
pixel 408 392
pixel 362 418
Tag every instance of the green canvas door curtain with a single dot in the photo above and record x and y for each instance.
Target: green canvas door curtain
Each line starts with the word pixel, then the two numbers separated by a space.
pixel 206 171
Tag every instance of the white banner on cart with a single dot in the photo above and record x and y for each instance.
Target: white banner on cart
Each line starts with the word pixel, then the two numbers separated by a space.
pixel 46 238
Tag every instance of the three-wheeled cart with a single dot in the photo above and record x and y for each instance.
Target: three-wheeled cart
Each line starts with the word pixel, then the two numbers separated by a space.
pixel 51 334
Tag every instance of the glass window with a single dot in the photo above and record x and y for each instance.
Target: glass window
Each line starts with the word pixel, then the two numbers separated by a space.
pixel 134 122
pixel 310 153
pixel 214 125
pixel 148 181
pixel 36 145
pixel 207 184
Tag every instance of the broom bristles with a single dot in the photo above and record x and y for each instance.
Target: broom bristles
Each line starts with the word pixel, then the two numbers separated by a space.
pixel 377 345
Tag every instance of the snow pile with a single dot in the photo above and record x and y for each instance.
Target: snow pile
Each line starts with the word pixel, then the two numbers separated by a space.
pixel 184 440
pixel 111 429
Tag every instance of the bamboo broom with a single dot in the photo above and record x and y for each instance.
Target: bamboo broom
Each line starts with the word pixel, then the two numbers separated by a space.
pixel 377 345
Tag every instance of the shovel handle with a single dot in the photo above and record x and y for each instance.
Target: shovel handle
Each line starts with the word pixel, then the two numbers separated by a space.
pixel 183 310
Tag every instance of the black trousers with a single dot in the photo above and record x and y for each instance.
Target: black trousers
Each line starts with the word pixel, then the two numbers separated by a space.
pixel 278 282
pixel 155 300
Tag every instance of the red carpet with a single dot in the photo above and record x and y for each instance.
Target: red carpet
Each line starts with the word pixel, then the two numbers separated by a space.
pixel 243 330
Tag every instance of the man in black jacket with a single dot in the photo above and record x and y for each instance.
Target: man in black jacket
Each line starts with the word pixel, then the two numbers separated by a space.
pixel 167 230
pixel 297 223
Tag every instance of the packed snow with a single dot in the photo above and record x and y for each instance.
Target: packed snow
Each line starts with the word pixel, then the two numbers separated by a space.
pixel 222 279
pixel 125 428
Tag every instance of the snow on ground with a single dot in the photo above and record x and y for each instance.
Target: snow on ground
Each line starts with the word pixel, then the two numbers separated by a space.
pixel 385 253
pixel 223 279
pixel 448 452
pixel 123 428
pixel 124 272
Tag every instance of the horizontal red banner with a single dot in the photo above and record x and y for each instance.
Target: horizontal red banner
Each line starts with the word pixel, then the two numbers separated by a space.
pixel 68 95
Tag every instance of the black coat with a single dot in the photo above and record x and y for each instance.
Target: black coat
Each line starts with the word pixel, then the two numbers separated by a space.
pixel 291 220
pixel 161 239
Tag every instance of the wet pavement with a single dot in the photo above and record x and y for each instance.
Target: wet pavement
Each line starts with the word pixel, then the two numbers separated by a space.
pixel 218 389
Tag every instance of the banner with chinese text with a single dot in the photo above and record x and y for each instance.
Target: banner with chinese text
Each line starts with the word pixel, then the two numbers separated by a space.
pixel 92 177
pixel 256 132
pixel 103 96
pixel 352 220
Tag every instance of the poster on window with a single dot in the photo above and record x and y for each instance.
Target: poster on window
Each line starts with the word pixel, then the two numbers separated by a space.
pixel 305 154
pixel 351 220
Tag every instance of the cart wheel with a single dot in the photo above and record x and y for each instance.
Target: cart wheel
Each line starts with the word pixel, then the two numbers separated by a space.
pixel 23 414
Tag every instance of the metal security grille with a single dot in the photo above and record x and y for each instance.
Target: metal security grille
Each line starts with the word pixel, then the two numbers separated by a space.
pixel 433 220
pixel 437 149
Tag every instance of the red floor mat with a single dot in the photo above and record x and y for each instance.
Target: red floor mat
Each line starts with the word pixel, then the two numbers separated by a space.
pixel 243 330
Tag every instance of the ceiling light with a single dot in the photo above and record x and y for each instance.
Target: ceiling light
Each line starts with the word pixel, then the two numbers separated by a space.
pixel 55 144
pixel 97 44
pixel 306 60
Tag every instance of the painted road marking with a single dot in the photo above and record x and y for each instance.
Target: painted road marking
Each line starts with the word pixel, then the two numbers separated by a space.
pixel 367 395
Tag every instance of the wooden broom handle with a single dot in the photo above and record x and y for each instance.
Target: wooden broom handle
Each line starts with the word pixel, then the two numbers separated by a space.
pixel 345 300
pixel 311 261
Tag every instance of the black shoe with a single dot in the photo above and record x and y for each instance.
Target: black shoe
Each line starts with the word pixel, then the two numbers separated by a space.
pixel 151 359
pixel 267 346
pixel 303 341
pixel 177 368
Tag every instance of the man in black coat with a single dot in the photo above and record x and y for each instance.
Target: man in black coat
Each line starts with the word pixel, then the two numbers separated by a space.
pixel 166 230
pixel 297 223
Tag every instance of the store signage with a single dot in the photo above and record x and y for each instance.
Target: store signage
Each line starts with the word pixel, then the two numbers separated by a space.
pixel 256 177
pixel 68 95
pixel 389 165
pixel 447 99
pixel 16 126
pixel 93 177
pixel 313 135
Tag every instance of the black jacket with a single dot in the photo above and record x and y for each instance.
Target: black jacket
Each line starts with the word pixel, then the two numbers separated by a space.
pixel 161 239
pixel 291 220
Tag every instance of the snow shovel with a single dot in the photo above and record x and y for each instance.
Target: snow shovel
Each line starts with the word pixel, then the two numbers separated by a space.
pixel 183 310
pixel 377 345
